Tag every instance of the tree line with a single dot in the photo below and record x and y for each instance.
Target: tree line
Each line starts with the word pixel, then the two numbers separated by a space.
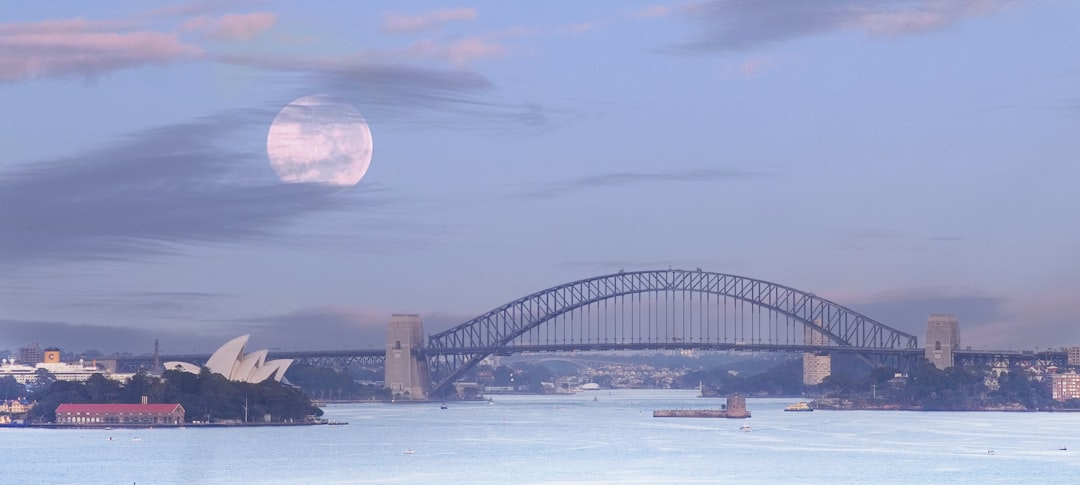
pixel 205 396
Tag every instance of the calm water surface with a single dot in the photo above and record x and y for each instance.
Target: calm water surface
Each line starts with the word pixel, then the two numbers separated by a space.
pixel 566 439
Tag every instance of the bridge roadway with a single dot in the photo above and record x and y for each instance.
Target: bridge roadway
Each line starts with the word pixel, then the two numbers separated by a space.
pixel 670 309
pixel 340 359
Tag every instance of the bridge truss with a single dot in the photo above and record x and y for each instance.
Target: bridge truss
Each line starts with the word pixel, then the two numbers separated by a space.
pixel 665 309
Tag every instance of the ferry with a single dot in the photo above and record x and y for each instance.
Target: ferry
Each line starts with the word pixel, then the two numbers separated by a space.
pixel 799 406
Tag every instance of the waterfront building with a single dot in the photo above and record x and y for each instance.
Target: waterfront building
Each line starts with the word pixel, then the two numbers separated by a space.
pixel 120 414
pixel 230 361
pixel 942 338
pixel 816 365
pixel 15 406
pixel 1065 386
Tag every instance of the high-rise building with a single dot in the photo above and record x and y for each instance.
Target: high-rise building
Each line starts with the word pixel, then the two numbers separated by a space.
pixel 816 365
pixel 31 354
pixel 942 338
pixel 1065 386
pixel 1073 353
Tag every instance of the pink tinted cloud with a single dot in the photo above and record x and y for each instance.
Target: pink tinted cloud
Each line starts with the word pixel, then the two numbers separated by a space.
pixel 459 52
pixel 240 26
pixel 653 11
pixel 77 47
pixel 755 66
pixel 401 23
pixel 921 17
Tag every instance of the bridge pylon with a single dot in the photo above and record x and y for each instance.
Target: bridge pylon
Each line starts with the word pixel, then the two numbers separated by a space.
pixel 407 374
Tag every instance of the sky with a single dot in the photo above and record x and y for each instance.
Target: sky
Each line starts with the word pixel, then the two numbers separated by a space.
pixel 901 158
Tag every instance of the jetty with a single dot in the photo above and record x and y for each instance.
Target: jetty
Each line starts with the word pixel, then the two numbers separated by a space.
pixel 735 409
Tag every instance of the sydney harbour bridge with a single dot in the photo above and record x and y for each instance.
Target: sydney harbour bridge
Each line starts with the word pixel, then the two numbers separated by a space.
pixel 670 309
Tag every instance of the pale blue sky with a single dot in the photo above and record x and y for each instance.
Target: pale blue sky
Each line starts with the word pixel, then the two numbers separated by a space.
pixel 898 157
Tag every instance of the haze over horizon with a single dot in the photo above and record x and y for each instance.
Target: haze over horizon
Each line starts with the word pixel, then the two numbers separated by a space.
pixel 899 158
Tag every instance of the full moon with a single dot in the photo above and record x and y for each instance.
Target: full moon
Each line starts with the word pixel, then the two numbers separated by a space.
pixel 315 139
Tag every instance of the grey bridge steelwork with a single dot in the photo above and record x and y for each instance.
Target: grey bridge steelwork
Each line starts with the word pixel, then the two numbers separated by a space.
pixel 664 309
pixel 651 310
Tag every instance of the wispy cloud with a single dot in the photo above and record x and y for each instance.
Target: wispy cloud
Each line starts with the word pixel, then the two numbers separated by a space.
pixel 399 23
pixel 653 11
pixel 458 52
pixel 231 27
pixel 403 94
pixel 80 337
pixel 84 48
pixel 728 25
pixel 148 194
pixel 755 66
pixel 622 179
pixel 581 28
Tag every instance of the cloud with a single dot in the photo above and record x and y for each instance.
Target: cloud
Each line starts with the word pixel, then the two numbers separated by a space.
pixel 335 328
pixel 232 27
pixel 580 28
pixel 459 52
pixel 327 328
pixel 397 23
pixel 987 321
pixel 83 48
pixel 631 178
pixel 755 66
pixel 323 328
pixel 395 93
pixel 150 193
pixel 734 25
pixel 108 339
pixel 653 11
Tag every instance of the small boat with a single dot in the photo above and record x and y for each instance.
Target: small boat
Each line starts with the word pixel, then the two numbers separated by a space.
pixel 744 428
pixel 409 451
pixel 800 406
pixel 1063 448
pixel 136 439
pixel 443 406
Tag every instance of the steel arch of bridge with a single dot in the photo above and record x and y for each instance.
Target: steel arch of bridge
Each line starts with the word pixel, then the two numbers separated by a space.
pixel 562 318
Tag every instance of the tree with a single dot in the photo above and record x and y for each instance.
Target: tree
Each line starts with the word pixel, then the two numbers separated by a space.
pixel 11 388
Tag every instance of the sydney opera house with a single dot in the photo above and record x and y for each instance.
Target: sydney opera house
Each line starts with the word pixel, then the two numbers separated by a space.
pixel 231 362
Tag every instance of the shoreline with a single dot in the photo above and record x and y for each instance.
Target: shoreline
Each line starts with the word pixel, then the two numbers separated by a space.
pixel 178 426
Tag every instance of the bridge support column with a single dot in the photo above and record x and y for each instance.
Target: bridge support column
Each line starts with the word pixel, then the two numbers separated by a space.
pixel 942 338
pixel 407 374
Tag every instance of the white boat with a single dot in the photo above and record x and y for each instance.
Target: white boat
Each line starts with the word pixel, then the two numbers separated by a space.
pixel 409 452
pixel 744 428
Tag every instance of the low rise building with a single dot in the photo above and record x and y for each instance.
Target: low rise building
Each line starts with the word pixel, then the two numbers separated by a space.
pixel 15 406
pixel 120 414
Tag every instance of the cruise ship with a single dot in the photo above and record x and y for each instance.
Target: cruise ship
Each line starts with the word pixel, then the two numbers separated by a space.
pixel 25 374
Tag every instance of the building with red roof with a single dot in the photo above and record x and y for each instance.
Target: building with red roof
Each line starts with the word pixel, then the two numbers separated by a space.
pixel 120 414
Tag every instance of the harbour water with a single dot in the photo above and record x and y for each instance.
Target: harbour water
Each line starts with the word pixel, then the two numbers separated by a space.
pixel 599 437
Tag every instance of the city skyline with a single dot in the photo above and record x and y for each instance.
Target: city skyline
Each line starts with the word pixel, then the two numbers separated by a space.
pixel 898 158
